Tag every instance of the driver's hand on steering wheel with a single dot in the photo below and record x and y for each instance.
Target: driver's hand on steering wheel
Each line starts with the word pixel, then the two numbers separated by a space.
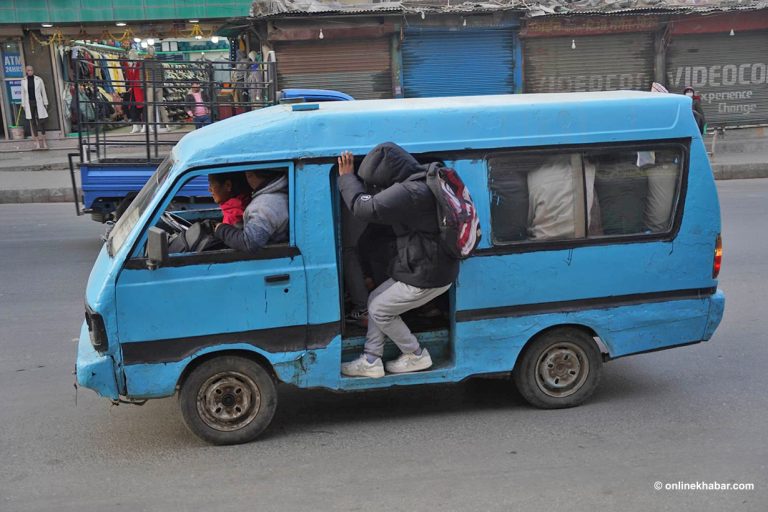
pixel 209 226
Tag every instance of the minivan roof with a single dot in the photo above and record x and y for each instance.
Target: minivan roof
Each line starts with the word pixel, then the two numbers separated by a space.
pixel 279 133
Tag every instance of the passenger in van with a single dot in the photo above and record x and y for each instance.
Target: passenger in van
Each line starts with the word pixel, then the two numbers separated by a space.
pixel 232 193
pixel 352 229
pixel 377 247
pixel 556 197
pixel 420 271
pixel 266 216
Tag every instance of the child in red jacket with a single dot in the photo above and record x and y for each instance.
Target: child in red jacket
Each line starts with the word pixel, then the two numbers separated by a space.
pixel 231 192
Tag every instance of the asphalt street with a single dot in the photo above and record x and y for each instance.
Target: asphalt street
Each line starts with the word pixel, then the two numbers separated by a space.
pixel 694 414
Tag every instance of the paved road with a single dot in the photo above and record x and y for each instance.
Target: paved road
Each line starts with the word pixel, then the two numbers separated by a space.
pixel 691 414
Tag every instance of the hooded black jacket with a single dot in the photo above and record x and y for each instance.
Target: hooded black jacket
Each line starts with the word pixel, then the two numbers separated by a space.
pixel 409 207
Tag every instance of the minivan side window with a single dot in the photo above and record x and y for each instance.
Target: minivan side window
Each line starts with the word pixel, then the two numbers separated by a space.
pixel 192 211
pixel 590 193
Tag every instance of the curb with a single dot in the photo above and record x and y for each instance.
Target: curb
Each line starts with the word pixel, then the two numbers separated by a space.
pixel 39 167
pixel 740 172
pixel 37 195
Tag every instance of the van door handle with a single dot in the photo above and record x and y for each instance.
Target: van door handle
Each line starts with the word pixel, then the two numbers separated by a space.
pixel 277 278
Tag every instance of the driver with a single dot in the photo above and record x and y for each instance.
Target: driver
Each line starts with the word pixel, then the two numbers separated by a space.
pixel 265 220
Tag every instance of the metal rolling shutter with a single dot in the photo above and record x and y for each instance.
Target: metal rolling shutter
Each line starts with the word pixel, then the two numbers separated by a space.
pixel 456 63
pixel 597 63
pixel 358 67
pixel 729 73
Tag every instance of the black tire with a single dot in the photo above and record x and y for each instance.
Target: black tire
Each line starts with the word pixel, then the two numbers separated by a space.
pixel 228 400
pixel 560 368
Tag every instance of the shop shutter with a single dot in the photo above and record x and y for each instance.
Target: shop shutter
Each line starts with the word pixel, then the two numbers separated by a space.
pixel 358 67
pixel 459 62
pixel 589 63
pixel 730 73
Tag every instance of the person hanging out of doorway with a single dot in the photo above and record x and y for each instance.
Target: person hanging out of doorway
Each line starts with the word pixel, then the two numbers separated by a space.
pixel 421 270
pixel 34 100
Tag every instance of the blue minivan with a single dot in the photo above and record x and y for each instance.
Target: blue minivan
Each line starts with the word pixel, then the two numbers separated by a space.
pixel 601 239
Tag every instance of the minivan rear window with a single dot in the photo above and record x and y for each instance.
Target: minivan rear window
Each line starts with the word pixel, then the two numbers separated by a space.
pixel 586 193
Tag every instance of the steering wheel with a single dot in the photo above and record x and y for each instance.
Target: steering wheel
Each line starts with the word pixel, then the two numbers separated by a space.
pixel 174 223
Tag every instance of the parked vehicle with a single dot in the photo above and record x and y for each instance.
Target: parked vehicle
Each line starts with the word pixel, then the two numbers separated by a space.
pixel 601 239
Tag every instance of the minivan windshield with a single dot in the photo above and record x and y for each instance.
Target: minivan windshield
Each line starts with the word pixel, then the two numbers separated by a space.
pixel 130 217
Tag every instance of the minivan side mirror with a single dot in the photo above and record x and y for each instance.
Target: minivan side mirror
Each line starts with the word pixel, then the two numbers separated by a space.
pixel 157 248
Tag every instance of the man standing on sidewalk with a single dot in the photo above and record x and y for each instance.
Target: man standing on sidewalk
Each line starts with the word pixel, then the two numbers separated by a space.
pixel 34 100
pixel 155 75
pixel 421 270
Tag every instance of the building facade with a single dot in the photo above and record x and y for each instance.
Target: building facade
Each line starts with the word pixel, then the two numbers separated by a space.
pixel 35 33
pixel 431 48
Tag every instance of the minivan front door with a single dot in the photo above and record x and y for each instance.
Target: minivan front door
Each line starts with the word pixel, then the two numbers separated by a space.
pixel 204 300
pixel 213 299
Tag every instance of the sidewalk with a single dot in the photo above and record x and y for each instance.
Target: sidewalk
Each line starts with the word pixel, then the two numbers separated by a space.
pixel 32 176
pixel 28 175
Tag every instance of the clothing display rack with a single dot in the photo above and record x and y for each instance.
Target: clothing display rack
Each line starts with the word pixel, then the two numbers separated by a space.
pixel 178 80
pixel 96 69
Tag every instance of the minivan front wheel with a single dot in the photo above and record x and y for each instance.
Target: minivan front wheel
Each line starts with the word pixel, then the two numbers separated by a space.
pixel 561 368
pixel 228 400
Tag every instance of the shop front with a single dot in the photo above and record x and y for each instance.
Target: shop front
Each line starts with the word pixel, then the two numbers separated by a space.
pixel 354 59
pixel 11 115
pixel 725 59
pixel 570 54
pixel 103 52
pixel 474 57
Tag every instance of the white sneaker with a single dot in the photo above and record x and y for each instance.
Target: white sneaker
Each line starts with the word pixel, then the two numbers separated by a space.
pixel 143 128
pixel 410 362
pixel 135 129
pixel 360 367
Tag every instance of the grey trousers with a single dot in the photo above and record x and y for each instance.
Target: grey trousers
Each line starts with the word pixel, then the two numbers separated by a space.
pixel 155 105
pixel 385 305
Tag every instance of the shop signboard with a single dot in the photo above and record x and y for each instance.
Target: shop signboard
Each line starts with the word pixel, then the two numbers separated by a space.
pixel 729 73
pixel 12 65
pixel 14 90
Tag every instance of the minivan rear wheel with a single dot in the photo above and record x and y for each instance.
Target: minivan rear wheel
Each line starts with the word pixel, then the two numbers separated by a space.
pixel 228 400
pixel 560 368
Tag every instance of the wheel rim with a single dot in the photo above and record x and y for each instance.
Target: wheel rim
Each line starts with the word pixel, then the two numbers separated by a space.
pixel 562 369
pixel 228 401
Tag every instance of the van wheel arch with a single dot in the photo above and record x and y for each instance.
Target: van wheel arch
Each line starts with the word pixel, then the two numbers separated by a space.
pixel 605 351
pixel 197 361
pixel 570 346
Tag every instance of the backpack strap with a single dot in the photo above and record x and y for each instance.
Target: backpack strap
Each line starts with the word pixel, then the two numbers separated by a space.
pixel 416 177
pixel 431 168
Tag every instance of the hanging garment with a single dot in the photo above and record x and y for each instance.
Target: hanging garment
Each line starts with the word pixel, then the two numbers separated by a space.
pixel 133 79
pixel 106 77
pixel 66 100
pixel 116 75
pixel 87 112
